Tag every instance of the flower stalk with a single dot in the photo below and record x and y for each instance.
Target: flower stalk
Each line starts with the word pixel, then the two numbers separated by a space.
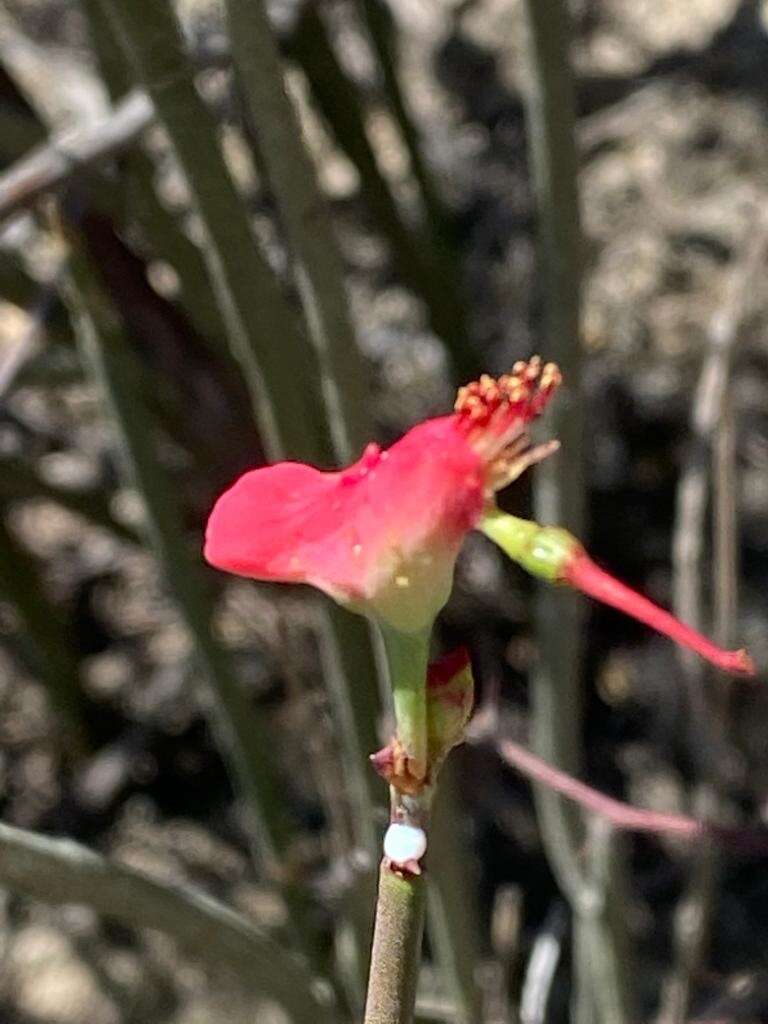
pixel 407 657
pixel 396 952
pixel 441 697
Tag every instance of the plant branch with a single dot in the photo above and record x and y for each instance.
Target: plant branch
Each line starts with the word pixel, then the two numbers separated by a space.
pixel 339 103
pixel 396 953
pixel 710 444
pixel 556 693
pixel 253 306
pixel 60 871
pixel 66 153
pixel 243 735
pixel 559 494
pixel 293 180
pixel 623 816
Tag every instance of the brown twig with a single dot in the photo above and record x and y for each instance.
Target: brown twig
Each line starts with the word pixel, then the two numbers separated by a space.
pixel 396 953
pixel 68 152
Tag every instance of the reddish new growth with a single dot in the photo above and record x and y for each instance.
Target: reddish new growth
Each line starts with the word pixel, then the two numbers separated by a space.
pixel 450 696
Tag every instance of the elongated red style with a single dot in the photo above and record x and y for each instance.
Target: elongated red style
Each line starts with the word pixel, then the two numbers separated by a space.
pixel 581 572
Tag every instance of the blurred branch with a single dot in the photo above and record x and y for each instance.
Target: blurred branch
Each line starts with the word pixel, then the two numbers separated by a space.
pixel 244 736
pixel 559 485
pixel 707 727
pixel 559 498
pixel 343 112
pixel 162 230
pixel 383 33
pixel 706 412
pixel 263 333
pixel 60 871
pixel 293 180
pixel 602 933
pixel 542 966
pixel 453 914
pixel 49 166
pixel 422 269
pixel 620 815
pixel 726 533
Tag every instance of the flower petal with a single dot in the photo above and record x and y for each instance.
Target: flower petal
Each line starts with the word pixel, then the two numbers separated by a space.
pixel 381 535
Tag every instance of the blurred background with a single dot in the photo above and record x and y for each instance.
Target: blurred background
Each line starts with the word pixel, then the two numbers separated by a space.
pixel 200 272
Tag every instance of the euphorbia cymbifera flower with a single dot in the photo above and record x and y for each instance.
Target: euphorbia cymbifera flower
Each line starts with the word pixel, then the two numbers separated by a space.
pixel 382 536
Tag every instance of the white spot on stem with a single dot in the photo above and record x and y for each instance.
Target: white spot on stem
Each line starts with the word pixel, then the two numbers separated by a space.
pixel 404 844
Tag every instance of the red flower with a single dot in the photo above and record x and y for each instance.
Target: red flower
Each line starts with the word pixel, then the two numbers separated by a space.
pixel 382 536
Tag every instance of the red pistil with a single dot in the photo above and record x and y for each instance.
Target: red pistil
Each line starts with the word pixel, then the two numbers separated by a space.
pixel 581 572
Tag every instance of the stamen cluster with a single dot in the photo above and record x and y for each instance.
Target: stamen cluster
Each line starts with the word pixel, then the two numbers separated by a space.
pixel 492 414
pixel 520 395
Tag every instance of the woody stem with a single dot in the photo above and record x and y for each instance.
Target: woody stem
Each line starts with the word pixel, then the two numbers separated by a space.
pixel 396 950
pixel 400 904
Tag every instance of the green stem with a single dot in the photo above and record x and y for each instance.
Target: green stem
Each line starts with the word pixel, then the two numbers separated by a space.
pixel 60 871
pixel 556 698
pixel 243 735
pixel 556 693
pixel 407 658
pixel 453 914
pixel 263 333
pixel 302 208
pixel 396 953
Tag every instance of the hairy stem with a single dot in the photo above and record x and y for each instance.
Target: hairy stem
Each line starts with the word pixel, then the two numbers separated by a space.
pixel 396 950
